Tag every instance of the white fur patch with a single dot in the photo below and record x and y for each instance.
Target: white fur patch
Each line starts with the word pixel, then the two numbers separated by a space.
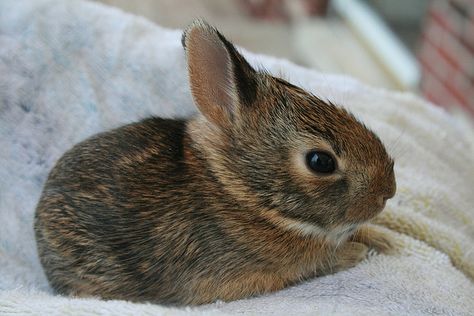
pixel 336 235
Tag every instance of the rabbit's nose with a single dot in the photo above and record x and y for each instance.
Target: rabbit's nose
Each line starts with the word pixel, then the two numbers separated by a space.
pixel 388 195
pixel 385 196
pixel 390 190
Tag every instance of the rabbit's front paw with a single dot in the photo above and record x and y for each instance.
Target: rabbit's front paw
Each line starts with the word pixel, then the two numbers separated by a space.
pixel 349 254
pixel 374 237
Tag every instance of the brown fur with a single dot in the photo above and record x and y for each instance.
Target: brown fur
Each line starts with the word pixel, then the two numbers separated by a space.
pixel 218 207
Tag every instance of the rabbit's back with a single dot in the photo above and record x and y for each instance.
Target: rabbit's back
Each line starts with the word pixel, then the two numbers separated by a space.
pixel 99 215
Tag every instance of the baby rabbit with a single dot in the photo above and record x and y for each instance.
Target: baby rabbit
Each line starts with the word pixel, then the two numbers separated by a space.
pixel 267 186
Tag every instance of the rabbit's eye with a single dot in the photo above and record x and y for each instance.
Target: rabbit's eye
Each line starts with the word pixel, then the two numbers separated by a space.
pixel 320 162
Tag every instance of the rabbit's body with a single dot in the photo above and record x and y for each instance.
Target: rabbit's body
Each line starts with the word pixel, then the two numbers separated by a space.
pixel 152 222
pixel 217 207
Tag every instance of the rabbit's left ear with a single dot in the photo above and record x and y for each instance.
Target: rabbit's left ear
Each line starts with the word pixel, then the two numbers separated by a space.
pixel 222 81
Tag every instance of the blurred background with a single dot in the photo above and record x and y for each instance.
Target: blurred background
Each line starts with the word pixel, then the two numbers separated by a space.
pixel 423 46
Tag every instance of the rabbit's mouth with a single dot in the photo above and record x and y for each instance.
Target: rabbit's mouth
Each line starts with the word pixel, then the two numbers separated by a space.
pixel 360 214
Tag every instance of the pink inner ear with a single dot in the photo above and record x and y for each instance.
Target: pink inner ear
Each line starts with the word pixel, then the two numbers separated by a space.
pixel 210 73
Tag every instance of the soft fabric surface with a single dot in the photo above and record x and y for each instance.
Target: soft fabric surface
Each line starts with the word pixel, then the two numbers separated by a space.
pixel 69 69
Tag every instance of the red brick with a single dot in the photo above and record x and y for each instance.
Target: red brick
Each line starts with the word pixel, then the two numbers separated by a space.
pixel 455 50
pixel 468 35
pixel 437 92
pixel 443 15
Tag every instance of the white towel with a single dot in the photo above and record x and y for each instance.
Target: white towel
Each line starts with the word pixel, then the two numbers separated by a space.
pixel 69 69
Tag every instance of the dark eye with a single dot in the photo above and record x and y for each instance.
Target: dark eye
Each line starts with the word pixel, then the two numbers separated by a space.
pixel 320 162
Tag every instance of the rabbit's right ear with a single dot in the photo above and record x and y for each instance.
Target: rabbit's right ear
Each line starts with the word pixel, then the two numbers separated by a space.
pixel 222 82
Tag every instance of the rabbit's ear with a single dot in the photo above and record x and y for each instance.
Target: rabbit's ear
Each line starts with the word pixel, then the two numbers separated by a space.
pixel 222 81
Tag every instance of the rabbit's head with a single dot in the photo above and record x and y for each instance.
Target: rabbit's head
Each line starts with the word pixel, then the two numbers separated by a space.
pixel 297 160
